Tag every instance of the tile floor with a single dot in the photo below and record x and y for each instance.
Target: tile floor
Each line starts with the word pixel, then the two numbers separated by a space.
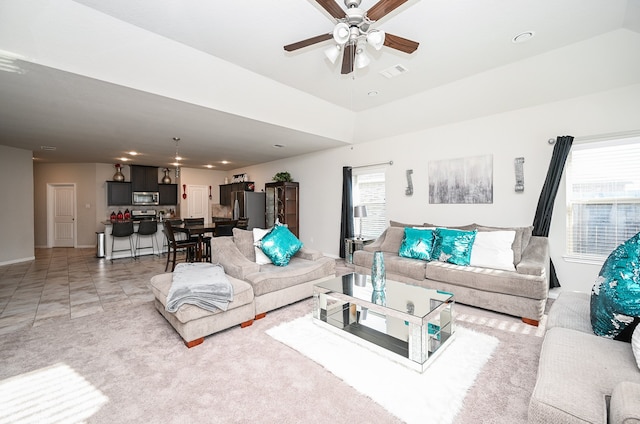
pixel 66 283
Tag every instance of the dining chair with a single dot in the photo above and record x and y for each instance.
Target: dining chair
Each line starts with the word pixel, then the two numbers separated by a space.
pixel 224 228
pixel 174 245
pixel 206 240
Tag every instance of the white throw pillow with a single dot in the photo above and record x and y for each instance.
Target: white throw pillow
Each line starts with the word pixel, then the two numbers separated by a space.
pixel 635 345
pixel 261 258
pixel 492 249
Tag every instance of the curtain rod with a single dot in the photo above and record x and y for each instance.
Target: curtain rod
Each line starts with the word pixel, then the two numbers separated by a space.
pixel 373 164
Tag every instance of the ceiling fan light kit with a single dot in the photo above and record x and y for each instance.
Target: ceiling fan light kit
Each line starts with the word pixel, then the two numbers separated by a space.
pixel 353 32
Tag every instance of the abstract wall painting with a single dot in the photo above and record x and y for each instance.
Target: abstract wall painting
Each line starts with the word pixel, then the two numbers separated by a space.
pixel 461 181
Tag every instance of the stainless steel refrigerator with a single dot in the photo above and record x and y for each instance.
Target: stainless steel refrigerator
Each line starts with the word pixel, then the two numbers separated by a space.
pixel 251 204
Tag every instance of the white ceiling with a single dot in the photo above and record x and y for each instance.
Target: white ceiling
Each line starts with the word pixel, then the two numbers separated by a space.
pixel 87 83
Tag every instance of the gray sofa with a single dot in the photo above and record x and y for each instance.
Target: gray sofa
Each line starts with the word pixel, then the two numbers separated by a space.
pixel 582 377
pixel 522 292
pixel 257 288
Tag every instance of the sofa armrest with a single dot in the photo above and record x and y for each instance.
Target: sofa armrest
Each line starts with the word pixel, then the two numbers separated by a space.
pixel 235 264
pixel 375 245
pixel 625 404
pixel 535 258
pixel 309 254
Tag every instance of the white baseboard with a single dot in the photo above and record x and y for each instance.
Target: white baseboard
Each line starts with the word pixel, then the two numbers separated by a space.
pixel 15 261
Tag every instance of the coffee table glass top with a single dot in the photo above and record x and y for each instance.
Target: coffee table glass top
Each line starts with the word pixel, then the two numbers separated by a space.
pixel 411 321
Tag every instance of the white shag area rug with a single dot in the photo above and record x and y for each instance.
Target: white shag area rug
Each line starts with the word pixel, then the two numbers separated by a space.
pixel 435 396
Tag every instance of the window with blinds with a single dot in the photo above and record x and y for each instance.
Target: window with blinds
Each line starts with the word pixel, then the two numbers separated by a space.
pixel 369 190
pixel 603 196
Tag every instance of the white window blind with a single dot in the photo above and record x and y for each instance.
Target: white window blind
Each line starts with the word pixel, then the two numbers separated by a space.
pixel 603 196
pixel 369 190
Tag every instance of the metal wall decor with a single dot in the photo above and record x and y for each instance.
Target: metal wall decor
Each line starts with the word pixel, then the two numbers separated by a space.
pixel 409 190
pixel 519 174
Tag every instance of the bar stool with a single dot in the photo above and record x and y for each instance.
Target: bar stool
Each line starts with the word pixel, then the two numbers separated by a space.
pixel 145 229
pixel 122 230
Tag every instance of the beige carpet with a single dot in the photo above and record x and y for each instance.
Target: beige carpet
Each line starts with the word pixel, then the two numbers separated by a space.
pixel 128 365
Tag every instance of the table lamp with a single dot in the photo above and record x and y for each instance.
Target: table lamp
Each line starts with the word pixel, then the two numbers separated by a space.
pixel 359 212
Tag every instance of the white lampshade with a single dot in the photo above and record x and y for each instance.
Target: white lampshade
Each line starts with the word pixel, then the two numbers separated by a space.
pixel 341 33
pixel 332 53
pixel 376 39
pixel 362 60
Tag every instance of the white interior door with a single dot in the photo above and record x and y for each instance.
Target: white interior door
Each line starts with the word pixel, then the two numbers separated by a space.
pixel 198 202
pixel 62 218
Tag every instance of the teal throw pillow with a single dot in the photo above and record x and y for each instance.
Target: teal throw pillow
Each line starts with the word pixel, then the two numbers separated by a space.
pixel 280 245
pixel 615 297
pixel 453 246
pixel 417 244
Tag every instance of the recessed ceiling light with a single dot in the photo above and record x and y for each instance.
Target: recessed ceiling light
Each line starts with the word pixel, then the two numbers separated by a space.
pixel 175 164
pixel 124 159
pixel 522 37
pixel 224 162
pixel 278 146
pixel 209 166
pixel 132 153
pixel 50 148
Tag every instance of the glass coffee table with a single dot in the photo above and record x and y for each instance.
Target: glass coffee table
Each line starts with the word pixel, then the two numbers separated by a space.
pixel 407 323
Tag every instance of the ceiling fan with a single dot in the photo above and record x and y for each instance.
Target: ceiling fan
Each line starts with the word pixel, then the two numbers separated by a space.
pixel 353 32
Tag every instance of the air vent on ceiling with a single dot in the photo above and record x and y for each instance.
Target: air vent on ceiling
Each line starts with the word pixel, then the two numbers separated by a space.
pixel 49 148
pixel 394 71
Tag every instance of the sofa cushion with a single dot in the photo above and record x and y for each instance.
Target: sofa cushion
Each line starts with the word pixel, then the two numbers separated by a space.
pixel 271 278
pixel 161 283
pixel 403 225
pixel 243 240
pixel 523 234
pixel 492 249
pixel 615 297
pixel 571 310
pixel 280 244
pixel 417 244
pixel 392 240
pixel 261 257
pixel 453 246
pixel 577 371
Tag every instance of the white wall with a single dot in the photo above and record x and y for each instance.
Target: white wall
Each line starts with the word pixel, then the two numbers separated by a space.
pixel 506 136
pixel 16 188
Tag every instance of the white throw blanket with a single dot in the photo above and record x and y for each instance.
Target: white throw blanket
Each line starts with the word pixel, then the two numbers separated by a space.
pixel 201 284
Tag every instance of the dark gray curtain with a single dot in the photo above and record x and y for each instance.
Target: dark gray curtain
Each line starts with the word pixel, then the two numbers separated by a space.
pixel 346 222
pixel 544 211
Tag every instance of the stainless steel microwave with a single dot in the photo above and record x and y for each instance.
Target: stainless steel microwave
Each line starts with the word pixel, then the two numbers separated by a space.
pixel 144 198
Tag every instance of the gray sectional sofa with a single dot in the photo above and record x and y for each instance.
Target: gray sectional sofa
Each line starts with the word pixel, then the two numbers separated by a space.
pixel 522 292
pixel 257 288
pixel 582 377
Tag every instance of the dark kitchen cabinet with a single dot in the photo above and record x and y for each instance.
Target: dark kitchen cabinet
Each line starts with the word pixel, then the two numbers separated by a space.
pixel 118 193
pixel 144 178
pixel 168 194
pixel 227 189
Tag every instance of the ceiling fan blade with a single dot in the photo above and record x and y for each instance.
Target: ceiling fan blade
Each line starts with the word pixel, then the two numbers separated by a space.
pixel 348 59
pixel 332 7
pixel 308 42
pixel 399 43
pixel 383 8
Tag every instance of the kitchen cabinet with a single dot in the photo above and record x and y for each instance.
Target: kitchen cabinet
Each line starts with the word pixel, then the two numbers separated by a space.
pixel 283 204
pixel 118 193
pixel 168 194
pixel 144 178
pixel 227 189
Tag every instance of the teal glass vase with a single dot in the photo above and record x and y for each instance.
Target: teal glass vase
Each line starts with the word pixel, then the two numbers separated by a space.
pixel 378 275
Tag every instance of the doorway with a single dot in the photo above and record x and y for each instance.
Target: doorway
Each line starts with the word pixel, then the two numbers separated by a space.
pixel 61 213
pixel 198 202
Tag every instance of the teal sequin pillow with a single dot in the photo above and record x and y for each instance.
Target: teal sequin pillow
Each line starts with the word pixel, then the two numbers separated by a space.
pixel 453 246
pixel 280 245
pixel 417 244
pixel 615 297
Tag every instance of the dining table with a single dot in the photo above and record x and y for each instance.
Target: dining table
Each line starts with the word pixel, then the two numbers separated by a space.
pixel 196 230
